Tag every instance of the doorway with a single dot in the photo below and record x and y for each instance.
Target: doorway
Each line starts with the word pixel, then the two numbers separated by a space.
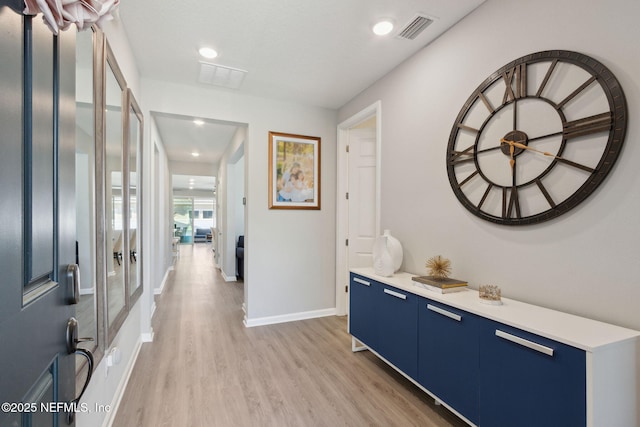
pixel 358 204
pixel 232 265
pixel 194 219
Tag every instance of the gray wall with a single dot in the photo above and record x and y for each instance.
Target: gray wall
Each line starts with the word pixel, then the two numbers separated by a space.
pixel 586 261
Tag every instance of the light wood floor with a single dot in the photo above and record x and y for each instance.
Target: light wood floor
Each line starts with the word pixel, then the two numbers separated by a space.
pixel 204 368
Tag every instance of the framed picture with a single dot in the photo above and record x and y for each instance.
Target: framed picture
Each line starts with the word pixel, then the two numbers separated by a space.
pixel 294 171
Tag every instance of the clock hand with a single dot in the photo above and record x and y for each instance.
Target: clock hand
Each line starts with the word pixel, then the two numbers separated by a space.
pixel 558 158
pixel 544 136
pixel 489 149
pixel 549 135
pixel 517 144
pixel 512 162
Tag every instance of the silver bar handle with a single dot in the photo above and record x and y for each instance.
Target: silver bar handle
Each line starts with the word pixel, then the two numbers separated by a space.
pixel 73 274
pixel 395 294
pixel 362 282
pixel 526 343
pixel 446 313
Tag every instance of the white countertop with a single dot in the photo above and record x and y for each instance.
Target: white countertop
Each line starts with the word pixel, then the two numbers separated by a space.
pixel 586 334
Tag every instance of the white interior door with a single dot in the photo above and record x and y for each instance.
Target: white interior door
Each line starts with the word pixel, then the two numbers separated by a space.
pixel 362 197
pixel 358 219
pixel 362 226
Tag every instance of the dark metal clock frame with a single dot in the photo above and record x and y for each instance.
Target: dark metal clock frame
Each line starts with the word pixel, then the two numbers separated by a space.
pixel 614 121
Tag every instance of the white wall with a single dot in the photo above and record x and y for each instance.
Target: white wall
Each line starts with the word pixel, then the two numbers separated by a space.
pixel 586 261
pixel 107 384
pixel 160 205
pixel 234 225
pixel 238 195
pixel 293 269
pixel 225 207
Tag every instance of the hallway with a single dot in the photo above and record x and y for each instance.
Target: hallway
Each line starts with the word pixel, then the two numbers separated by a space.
pixel 204 368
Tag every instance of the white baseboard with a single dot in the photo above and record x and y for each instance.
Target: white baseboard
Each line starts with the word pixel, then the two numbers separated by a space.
pixel 117 398
pixel 228 278
pixel 86 291
pixel 158 291
pixel 153 309
pixel 147 336
pixel 271 320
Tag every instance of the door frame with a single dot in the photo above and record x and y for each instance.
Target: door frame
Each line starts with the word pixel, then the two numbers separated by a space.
pixel 342 207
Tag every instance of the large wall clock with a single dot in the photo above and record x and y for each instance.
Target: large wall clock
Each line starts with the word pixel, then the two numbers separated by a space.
pixel 536 138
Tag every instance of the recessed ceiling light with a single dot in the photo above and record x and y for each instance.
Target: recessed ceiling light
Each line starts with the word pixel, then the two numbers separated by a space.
pixel 207 52
pixel 195 154
pixel 383 28
pixel 198 122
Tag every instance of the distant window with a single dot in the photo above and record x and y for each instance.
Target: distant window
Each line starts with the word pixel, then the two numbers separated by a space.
pixel 196 214
pixel 207 214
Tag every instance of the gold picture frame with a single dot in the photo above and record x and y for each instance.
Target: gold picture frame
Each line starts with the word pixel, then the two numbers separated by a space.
pixel 294 171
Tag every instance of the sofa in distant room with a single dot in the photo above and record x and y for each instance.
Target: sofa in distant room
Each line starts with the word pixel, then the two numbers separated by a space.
pixel 201 235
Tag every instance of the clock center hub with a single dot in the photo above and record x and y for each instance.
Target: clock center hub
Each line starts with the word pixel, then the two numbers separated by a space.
pixel 514 136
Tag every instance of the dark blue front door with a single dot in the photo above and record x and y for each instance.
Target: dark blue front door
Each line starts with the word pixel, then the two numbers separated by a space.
pixel 37 375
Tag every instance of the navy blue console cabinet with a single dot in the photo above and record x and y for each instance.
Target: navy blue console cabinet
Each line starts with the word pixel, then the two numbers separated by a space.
pixel 498 366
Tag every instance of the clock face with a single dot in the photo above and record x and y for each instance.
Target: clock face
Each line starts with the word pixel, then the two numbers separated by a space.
pixel 536 138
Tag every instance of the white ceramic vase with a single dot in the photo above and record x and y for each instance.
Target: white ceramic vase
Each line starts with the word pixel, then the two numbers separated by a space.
pixel 382 261
pixel 387 255
pixel 395 250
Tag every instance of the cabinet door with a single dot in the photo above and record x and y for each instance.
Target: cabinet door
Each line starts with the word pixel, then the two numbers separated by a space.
pixel 362 311
pixel 398 328
pixel 448 351
pixel 528 380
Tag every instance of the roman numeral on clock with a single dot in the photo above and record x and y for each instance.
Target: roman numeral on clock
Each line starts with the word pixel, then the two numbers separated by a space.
pixel 510 203
pixel 545 193
pixel 463 156
pixel 467 128
pixel 546 78
pixel 576 92
pixel 587 126
pixel 519 75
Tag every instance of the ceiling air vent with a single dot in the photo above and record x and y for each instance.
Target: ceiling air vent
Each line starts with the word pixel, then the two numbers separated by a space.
pixel 415 27
pixel 220 75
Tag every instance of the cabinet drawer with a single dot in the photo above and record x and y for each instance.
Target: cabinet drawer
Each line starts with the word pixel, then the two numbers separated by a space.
pixel 448 356
pixel 398 328
pixel 362 311
pixel 528 380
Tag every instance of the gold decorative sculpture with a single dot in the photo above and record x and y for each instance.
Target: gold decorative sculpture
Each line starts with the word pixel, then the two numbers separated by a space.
pixel 439 267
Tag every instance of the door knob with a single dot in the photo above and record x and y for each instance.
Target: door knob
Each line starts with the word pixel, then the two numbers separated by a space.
pixel 72 348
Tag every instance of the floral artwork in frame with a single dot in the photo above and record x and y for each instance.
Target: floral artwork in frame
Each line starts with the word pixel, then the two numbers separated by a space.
pixel 294 171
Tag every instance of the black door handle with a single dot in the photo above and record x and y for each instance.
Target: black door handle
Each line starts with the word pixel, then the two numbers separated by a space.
pixel 72 348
